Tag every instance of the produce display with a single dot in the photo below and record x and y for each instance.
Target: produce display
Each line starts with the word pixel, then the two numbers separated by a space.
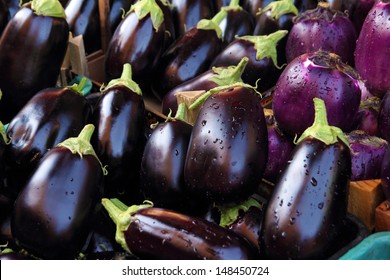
pixel 219 130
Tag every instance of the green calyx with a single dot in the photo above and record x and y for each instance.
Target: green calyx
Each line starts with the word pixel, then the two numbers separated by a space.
pixel 50 8
pixel 143 8
pixel 3 134
pixel 229 75
pixel 265 45
pixel 213 24
pixel 321 129
pixel 81 144
pixel 230 212
pixel 280 8
pixel 80 87
pixel 125 80
pixel 234 5
pixel 122 216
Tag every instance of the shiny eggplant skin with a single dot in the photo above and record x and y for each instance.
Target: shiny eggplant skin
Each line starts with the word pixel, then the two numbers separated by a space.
pixel 119 118
pixel 307 208
pixel 83 19
pixel 137 42
pixel 53 214
pixel 186 58
pixel 116 12
pixel 228 149
pixel 33 48
pixel 158 233
pixel 48 118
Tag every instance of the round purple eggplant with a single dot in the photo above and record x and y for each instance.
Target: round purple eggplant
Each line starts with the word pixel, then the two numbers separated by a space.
pixel 367 118
pixel 228 148
pixel 384 117
pixel 262 69
pixel 157 233
pixel 305 214
pixel 373 49
pixel 119 118
pixel 322 28
pixel 32 48
pixel 319 74
pixel 54 213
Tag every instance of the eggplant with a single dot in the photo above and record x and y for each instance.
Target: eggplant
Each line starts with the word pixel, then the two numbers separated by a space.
pixel 360 12
pixel 187 13
pixel 262 54
pixel 367 118
pixel 48 118
pixel 140 39
pixel 119 118
pixel 32 49
pixel 54 213
pixel 367 152
pixel 384 117
pixel 322 28
pixel 157 233
pixel 4 141
pixel 319 74
pixel 385 174
pixel 117 8
pixel 84 19
pixel 217 76
pixel 372 49
pixel 189 56
pixel 14 6
pixel 305 214
pixel 228 148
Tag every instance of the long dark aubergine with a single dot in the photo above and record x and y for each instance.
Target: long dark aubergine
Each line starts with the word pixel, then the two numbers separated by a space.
pixel 117 8
pixel 119 118
pixel 33 47
pixel 305 214
pixel 189 56
pixel 217 76
pixel 262 54
pixel 157 233
pixel 140 39
pixel 228 149
pixel 48 118
pixel 83 19
pixel 54 213
pixel 187 13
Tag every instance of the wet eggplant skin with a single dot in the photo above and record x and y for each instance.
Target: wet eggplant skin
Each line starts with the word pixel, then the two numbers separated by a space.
pixel 53 214
pixel 309 202
pixel 33 48
pixel 158 233
pixel 228 148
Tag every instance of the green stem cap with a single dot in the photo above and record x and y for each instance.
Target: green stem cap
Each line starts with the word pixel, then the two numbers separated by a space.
pixel 3 134
pixel 213 24
pixel 230 212
pixel 122 218
pixel 229 75
pixel 144 7
pixel 125 80
pixel 50 8
pixel 80 87
pixel 321 129
pixel 280 8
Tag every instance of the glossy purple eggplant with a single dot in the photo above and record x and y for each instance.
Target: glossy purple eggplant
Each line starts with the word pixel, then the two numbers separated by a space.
pixel 187 13
pixel 189 56
pixel 217 76
pixel 373 49
pixel 48 118
pixel 228 148
pixel 54 213
pixel 83 19
pixel 14 6
pixel 139 40
pixel 322 28
pixel 156 233
pixel 117 7
pixel 262 69
pixel 367 118
pixel 305 214
pixel 119 118
pixel 319 74
pixel 32 49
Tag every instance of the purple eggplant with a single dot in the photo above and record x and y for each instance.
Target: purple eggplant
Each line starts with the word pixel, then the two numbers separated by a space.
pixel 367 117
pixel 373 49
pixel 48 118
pixel 32 49
pixel 189 56
pixel 119 118
pixel 228 148
pixel 54 213
pixel 360 12
pixel 117 7
pixel 367 154
pixel 157 233
pixel 140 39
pixel 14 6
pixel 385 174
pixel 384 117
pixel 305 214
pixel 4 141
pixel 217 76
pixel 262 69
pixel 322 28
pixel 319 74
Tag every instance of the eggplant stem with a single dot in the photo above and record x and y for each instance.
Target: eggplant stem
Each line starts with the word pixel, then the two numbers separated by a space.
pixel 125 80
pixel 230 75
pixel 181 113
pixel 50 8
